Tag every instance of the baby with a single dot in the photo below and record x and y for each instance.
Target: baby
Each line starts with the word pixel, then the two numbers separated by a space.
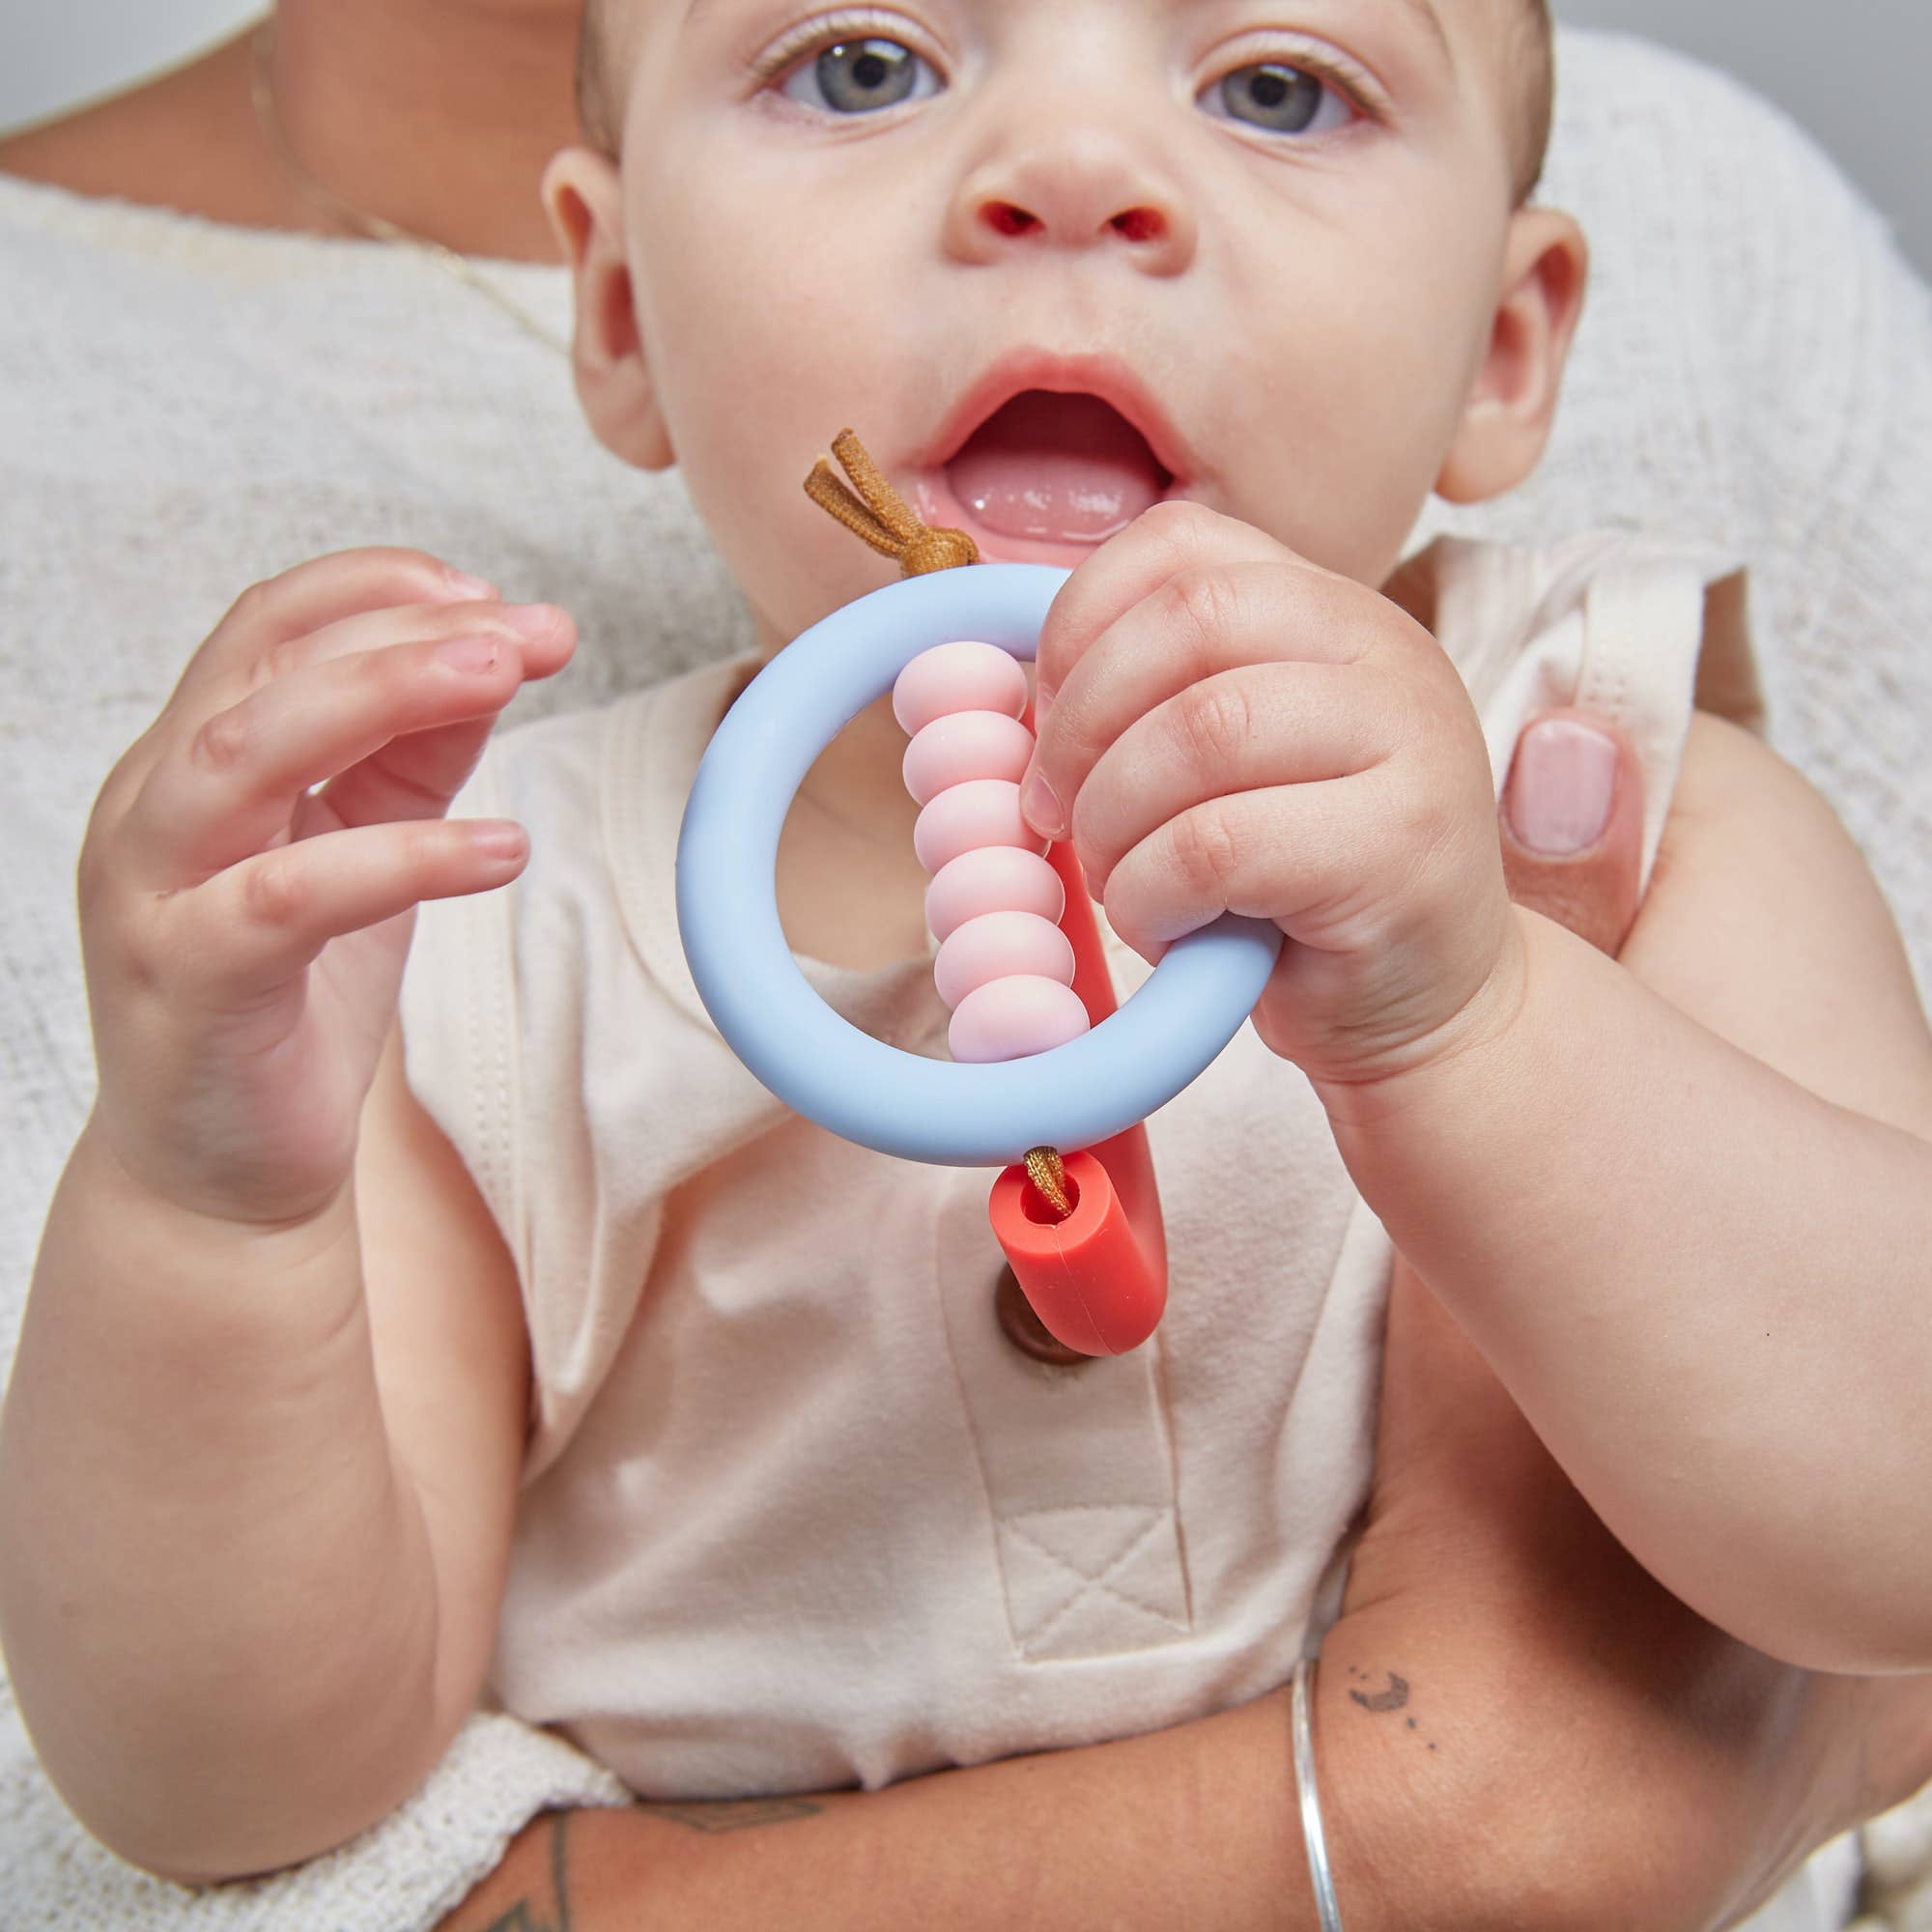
pixel 1204 301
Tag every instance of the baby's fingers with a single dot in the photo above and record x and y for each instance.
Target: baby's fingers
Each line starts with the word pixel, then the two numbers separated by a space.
pixel 1317 857
pixel 326 590
pixel 1125 571
pixel 1285 853
pixel 230 789
pixel 544 631
pixel 1238 731
pixel 278 910
pixel 1197 623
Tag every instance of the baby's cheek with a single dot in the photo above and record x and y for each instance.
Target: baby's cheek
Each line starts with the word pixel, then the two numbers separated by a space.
pixel 747 429
pixel 1362 407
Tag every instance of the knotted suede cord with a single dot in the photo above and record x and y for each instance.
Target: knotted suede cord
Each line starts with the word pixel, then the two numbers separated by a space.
pixel 882 517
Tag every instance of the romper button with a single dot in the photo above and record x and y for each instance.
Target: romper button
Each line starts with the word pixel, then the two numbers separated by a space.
pixel 1026 1331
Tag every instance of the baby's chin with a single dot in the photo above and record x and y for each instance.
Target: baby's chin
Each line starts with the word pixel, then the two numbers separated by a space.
pixel 787 601
pixel 823 585
pixel 788 593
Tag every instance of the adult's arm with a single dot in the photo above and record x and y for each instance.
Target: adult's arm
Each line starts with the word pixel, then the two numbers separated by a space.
pixel 1515 1725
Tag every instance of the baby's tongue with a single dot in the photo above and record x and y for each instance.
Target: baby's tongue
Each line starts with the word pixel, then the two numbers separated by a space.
pixel 1061 469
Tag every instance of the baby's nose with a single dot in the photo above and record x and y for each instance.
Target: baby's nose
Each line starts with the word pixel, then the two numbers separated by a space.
pixel 1075 190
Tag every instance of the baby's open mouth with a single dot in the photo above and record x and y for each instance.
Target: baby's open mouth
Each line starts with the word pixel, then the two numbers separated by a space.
pixel 1057 468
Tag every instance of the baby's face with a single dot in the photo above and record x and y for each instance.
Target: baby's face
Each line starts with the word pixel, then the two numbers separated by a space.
pixel 1056 260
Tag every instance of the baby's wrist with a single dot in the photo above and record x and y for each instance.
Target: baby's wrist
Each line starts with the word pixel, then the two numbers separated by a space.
pixel 120 1206
pixel 1420 1091
pixel 240 1195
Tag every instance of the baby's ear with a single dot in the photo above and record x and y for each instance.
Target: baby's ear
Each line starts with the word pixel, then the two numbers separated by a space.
pixel 1512 405
pixel 584 196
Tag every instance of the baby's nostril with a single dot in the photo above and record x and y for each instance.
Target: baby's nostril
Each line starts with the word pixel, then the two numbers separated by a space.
pixel 1141 224
pixel 1008 219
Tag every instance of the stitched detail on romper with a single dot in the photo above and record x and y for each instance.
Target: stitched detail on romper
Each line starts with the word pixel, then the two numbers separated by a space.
pixel 1092 1583
pixel 1602 678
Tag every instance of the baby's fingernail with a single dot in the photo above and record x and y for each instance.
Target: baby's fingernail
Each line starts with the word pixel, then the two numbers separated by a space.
pixel 1041 808
pixel 1562 787
pixel 533 621
pixel 500 839
pixel 470 654
pixel 475 588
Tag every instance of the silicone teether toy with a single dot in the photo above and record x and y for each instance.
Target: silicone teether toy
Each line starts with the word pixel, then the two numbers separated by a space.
pixel 1091 1260
pixel 1004 967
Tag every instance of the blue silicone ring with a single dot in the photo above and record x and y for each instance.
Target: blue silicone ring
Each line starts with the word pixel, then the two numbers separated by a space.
pixel 1074 1097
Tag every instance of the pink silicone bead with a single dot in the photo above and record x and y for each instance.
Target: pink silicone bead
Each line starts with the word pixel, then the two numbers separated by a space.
pixel 966 745
pixel 993 878
pixel 1003 965
pixel 1011 1019
pixel 957 677
pixel 982 812
pixel 997 945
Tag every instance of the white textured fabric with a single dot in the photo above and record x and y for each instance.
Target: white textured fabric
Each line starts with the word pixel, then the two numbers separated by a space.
pixel 798 1515
pixel 410 1872
pixel 185 408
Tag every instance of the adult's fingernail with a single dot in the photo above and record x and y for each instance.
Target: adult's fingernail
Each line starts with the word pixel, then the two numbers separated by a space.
pixel 1562 787
pixel 1041 808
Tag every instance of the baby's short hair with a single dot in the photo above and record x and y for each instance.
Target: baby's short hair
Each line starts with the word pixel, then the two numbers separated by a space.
pixel 1528 70
pixel 1529 78
pixel 593 86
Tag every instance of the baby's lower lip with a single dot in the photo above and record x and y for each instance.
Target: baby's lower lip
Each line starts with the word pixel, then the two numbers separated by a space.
pixel 1056 468
pixel 939 504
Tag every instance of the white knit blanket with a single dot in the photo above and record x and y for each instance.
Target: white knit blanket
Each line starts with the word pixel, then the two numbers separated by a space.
pixel 185 408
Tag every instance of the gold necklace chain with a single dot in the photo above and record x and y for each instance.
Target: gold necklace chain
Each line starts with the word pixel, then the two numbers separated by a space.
pixel 374 226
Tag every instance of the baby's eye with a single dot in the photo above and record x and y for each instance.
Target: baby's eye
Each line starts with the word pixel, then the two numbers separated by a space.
pixel 1278 99
pixel 860 78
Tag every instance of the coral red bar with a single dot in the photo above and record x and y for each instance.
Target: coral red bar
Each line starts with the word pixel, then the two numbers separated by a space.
pixel 1098 1280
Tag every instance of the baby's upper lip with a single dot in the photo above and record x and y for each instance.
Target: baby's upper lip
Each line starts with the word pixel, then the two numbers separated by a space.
pixel 1103 376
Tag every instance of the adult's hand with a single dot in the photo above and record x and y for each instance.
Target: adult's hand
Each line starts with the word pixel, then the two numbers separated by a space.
pixel 1515 1725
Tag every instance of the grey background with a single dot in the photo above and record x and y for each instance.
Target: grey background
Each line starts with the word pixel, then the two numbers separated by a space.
pixel 1854 74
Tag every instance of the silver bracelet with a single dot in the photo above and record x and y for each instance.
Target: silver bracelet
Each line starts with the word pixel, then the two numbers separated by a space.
pixel 1320 1876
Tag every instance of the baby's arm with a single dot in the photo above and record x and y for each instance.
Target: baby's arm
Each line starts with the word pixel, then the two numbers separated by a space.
pixel 1707 1284
pixel 1690 1270
pixel 254 1508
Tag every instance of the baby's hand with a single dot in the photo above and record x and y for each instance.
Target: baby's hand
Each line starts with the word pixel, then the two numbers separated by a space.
pixel 252 865
pixel 1232 730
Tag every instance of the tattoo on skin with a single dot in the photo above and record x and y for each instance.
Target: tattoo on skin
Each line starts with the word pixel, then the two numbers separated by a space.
pixel 528 1915
pixel 524 1916
pixel 1392 1697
